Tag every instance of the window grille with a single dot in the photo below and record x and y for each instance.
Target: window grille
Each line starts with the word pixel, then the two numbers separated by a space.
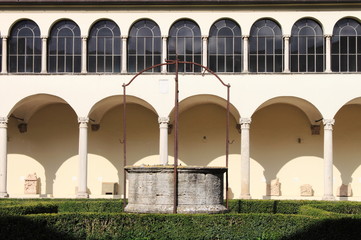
pixel 266 47
pixel 104 48
pixel 64 48
pixel 346 46
pixel 185 42
pixel 307 47
pixel 144 46
pixel 24 48
pixel 225 47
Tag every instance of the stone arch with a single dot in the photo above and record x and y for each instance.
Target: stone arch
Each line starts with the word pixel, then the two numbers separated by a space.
pixel 281 137
pixel 106 139
pixel 202 124
pixel 49 139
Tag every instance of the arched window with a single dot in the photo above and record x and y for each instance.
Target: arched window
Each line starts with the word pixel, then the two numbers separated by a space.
pixel 144 46
pixel 307 47
pixel 104 47
pixel 266 47
pixel 185 42
pixel 346 46
pixel 24 48
pixel 225 47
pixel 64 48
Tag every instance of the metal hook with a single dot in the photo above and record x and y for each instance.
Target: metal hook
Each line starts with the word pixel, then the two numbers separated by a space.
pixel 231 142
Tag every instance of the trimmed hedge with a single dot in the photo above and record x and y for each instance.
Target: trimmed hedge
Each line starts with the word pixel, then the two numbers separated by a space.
pixel 268 206
pixel 70 205
pixel 340 207
pixel 168 226
pixel 92 219
pixel 90 205
pixel 154 226
pixel 28 208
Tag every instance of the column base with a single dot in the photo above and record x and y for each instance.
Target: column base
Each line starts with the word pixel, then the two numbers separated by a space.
pixel 4 195
pixel 246 196
pixel 82 195
pixel 328 198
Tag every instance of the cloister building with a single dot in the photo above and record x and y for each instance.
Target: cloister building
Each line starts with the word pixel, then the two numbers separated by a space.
pixel 293 66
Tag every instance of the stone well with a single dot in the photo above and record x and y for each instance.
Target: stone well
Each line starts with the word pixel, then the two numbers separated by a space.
pixel 200 189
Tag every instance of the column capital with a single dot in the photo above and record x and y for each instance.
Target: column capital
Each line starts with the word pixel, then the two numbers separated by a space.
pixel 286 36
pixel 44 37
pixel 245 36
pixel 83 120
pixel 163 120
pixel 204 37
pixel 124 37
pixel 4 37
pixel 245 122
pixel 164 37
pixel 328 123
pixel 328 35
pixel 84 37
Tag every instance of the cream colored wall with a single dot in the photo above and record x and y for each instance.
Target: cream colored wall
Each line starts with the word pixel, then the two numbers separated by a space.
pixel 277 153
pixel 202 141
pixel 48 148
pixel 347 151
pixel 106 148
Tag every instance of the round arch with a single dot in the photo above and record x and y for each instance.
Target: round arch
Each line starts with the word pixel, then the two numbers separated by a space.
pixel 195 100
pixel 29 105
pixel 312 113
pixel 99 109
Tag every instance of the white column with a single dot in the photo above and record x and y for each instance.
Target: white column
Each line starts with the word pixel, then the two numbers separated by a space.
pixel 83 157
pixel 3 157
pixel 245 53
pixel 328 159
pixel 286 45
pixel 328 53
pixel 84 54
pixel 124 54
pixel 245 158
pixel 4 67
pixel 164 53
pixel 205 51
pixel 44 43
pixel 163 140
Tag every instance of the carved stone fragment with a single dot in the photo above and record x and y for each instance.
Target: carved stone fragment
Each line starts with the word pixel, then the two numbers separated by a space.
pixel 31 185
pixel 274 188
pixel 306 190
pixel 344 191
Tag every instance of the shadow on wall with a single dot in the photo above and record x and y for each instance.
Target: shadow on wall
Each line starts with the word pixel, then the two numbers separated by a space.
pixel 281 133
pixel 202 134
pixel 142 137
pixel 347 142
pixel 51 139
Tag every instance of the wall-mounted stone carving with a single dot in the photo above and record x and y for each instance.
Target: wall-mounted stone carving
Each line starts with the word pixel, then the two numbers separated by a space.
pixel 306 190
pixel 31 184
pixel 344 191
pixel 274 188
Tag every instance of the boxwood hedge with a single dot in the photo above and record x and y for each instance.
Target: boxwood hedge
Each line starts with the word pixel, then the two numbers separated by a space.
pixel 249 219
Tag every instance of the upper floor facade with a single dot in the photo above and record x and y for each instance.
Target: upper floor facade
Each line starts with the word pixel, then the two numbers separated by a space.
pixel 227 39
